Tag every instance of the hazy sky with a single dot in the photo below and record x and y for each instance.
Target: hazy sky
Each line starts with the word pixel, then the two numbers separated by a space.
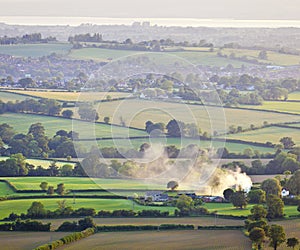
pixel 238 9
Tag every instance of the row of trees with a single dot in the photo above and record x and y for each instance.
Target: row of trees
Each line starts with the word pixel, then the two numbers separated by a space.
pixel 282 162
pixel 27 38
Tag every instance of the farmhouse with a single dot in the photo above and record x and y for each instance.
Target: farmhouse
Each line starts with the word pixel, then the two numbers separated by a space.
pixel 156 196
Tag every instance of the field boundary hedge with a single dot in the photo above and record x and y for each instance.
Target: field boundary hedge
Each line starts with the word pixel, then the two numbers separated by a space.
pixel 220 227
pixel 67 239
pixel 121 228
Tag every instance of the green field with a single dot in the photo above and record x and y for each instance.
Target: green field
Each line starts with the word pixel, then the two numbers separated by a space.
pixel 6 97
pixel 68 96
pixel 271 134
pixel 194 57
pixel 183 240
pixel 21 206
pixel 35 50
pixel 5 190
pixel 27 240
pixel 22 122
pixel 136 143
pixel 272 57
pixel 289 107
pixel 32 183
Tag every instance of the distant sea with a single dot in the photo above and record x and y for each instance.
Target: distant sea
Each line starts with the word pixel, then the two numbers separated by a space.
pixel 183 22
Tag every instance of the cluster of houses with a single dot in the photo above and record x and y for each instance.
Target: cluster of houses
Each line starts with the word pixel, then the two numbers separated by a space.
pixel 159 196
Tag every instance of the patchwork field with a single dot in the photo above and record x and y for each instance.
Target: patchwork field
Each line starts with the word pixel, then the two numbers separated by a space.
pixel 27 240
pixel 35 50
pixel 135 113
pixel 271 134
pixel 233 240
pixel 70 96
pixel 289 107
pixel 22 122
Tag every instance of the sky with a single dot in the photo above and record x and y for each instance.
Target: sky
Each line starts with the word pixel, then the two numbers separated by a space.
pixel 232 9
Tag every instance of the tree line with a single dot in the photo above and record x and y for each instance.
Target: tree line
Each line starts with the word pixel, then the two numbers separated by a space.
pixel 27 38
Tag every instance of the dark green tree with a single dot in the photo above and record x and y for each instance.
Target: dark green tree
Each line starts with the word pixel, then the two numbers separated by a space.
pixel 257 236
pixel 276 236
pixel 292 242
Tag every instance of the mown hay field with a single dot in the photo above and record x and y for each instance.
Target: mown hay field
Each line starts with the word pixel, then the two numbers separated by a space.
pixel 27 240
pixel 189 240
pixel 70 96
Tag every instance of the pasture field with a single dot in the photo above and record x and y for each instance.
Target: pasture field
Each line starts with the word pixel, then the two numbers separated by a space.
pixel 35 50
pixel 6 96
pixel 294 96
pixel 272 56
pixel 229 209
pixel 5 190
pixel 70 96
pixel 288 107
pixel 137 112
pixel 21 206
pixel 271 134
pixel 194 57
pixel 189 240
pixel 80 183
pixel 22 122
pixel 27 240
pixel 136 143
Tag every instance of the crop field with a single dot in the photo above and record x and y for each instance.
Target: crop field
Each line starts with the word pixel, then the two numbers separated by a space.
pixel 35 50
pixel 22 122
pixel 7 96
pixel 32 183
pixel 136 143
pixel 272 57
pixel 294 96
pixel 194 57
pixel 70 96
pixel 289 107
pixel 27 240
pixel 137 112
pixel 43 163
pixel 271 134
pixel 21 206
pixel 229 239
